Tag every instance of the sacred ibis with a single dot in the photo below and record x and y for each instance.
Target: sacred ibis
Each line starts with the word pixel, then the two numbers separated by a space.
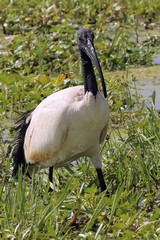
pixel 68 124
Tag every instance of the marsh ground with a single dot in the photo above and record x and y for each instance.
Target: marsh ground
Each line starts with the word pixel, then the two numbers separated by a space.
pixel 38 56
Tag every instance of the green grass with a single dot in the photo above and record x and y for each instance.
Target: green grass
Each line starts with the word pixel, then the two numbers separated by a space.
pixel 39 64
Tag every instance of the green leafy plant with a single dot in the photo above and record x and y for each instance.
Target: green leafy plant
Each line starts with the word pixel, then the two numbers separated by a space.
pixel 40 57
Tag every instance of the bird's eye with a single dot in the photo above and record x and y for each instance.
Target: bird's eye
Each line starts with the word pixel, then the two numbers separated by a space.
pixel 82 39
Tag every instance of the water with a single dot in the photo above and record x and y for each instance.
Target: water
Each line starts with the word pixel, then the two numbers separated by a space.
pixel 146 89
pixel 148 82
pixel 156 60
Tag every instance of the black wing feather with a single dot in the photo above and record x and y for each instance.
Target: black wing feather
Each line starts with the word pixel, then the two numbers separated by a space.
pixel 18 153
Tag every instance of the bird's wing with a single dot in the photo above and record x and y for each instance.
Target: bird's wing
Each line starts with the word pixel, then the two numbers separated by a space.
pixel 103 134
pixel 49 126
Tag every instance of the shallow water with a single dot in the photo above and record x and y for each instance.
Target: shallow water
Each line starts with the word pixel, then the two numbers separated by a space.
pixel 156 60
pixel 146 90
pixel 146 80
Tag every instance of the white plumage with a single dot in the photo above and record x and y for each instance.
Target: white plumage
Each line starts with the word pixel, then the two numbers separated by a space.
pixel 68 124
pixel 65 126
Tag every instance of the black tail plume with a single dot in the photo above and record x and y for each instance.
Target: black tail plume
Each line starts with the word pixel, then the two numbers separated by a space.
pixel 18 153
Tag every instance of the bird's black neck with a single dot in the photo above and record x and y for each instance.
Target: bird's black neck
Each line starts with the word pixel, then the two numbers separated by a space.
pixel 90 84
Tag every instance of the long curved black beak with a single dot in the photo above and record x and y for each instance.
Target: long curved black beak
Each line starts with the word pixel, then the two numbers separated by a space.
pixel 89 49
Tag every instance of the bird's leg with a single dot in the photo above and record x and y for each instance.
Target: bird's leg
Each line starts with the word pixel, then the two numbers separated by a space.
pixel 50 178
pixel 101 179
pixel 96 160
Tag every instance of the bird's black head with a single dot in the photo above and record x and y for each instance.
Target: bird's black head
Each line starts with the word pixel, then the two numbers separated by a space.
pixel 85 38
pixel 83 35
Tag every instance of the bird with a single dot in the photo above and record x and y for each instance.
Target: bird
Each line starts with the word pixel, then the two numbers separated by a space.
pixel 68 124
